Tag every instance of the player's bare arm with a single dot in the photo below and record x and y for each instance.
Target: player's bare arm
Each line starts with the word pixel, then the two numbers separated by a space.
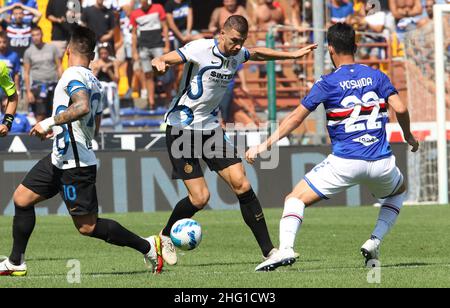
pixel 160 65
pixel 267 54
pixel 10 111
pixel 402 113
pixel 293 120
pixel 9 87
pixel 78 109
pixel 13 101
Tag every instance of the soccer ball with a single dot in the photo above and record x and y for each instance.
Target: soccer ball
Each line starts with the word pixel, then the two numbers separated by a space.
pixel 186 234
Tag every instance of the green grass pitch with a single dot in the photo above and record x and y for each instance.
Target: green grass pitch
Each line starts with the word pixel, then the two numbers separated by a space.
pixel 415 254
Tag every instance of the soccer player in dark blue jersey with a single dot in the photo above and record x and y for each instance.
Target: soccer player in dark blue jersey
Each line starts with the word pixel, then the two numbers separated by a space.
pixel 355 98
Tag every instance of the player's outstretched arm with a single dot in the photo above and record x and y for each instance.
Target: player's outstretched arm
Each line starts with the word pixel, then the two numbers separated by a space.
pixel 267 54
pixel 78 109
pixel 161 64
pixel 11 107
pixel 294 120
pixel 401 110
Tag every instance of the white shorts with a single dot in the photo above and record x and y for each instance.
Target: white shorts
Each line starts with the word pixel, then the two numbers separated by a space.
pixel 336 174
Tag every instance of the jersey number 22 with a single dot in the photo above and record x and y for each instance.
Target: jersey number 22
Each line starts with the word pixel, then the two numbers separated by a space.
pixel 370 99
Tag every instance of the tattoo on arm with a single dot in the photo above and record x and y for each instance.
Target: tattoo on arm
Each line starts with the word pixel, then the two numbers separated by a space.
pixel 78 109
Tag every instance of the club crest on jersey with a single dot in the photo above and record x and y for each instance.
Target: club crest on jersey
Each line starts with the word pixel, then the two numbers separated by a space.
pixel 366 140
pixel 188 169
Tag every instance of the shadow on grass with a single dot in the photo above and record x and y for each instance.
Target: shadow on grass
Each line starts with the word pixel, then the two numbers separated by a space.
pixel 42 259
pixel 414 264
pixel 219 264
pixel 392 266
pixel 238 263
pixel 99 274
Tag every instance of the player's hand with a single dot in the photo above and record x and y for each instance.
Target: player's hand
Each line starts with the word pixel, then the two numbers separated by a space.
pixel 254 152
pixel 39 132
pixel 159 67
pixel 304 51
pixel 412 141
pixel 3 130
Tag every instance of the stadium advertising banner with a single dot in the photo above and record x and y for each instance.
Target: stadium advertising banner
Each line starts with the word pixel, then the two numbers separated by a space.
pixel 105 141
pixel 131 141
pixel 141 181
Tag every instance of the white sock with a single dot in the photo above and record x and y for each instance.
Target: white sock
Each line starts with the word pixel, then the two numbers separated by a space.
pixel 390 209
pixel 290 222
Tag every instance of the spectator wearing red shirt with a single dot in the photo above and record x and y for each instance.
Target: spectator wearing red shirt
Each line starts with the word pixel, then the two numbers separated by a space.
pixel 150 40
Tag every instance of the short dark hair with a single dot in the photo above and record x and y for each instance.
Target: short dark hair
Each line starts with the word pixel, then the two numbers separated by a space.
pixel 83 40
pixel 342 38
pixel 238 23
pixel 36 28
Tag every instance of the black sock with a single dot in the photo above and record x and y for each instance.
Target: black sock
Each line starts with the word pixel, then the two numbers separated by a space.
pixel 183 209
pixel 113 233
pixel 254 218
pixel 23 226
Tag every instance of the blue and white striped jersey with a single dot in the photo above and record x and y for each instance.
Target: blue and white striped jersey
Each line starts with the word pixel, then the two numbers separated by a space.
pixel 207 74
pixel 72 146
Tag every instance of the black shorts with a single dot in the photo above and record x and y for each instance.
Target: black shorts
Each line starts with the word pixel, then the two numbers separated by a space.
pixel 187 147
pixel 76 186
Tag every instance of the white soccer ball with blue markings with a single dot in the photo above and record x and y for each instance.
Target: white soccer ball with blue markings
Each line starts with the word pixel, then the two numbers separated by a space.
pixel 186 234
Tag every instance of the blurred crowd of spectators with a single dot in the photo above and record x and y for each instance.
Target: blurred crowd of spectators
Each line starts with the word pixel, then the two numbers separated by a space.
pixel 132 32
